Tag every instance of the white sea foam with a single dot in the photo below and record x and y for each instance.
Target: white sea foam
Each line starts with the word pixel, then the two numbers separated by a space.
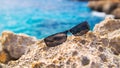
pixel 101 14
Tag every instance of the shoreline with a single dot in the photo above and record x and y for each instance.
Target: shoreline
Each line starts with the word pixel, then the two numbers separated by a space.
pixel 108 6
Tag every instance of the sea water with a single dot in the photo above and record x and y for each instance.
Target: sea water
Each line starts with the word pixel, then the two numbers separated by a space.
pixel 41 18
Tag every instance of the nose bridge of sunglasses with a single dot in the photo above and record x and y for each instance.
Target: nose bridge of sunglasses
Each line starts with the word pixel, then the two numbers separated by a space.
pixel 69 33
pixel 59 38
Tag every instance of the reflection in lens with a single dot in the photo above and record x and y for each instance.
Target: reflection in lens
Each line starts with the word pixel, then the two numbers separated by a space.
pixel 56 39
pixel 80 29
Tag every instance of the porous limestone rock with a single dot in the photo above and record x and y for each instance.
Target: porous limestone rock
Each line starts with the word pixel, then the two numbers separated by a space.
pixel 107 26
pixel 13 45
pixel 110 28
pixel 78 52
pixel 99 48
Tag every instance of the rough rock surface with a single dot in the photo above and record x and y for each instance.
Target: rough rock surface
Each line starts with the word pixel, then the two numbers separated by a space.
pixel 97 49
pixel 107 6
pixel 13 46
pixel 110 28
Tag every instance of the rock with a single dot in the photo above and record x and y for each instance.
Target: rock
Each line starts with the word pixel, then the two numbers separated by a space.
pixel 103 57
pixel 14 46
pixel 95 65
pixel 98 6
pixel 4 57
pixel 116 12
pixel 107 6
pixel 38 65
pixel 3 65
pixel 111 29
pixel 107 26
pixel 114 42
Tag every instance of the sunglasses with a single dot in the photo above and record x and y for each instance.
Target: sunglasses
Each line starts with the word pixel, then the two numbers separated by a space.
pixel 59 38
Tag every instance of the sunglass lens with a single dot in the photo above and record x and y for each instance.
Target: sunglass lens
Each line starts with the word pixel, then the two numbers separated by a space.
pixel 80 29
pixel 55 39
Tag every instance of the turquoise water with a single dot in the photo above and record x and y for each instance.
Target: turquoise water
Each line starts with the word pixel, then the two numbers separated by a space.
pixel 42 18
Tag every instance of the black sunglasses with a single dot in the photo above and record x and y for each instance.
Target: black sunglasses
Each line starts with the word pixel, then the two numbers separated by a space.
pixel 59 38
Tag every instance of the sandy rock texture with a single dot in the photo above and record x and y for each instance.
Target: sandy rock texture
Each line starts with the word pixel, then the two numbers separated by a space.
pixel 107 6
pixel 99 48
pixel 13 46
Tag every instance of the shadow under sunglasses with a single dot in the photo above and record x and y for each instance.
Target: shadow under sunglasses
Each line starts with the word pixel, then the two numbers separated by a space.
pixel 59 38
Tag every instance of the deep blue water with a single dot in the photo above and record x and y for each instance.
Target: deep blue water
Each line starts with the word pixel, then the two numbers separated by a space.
pixel 42 18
